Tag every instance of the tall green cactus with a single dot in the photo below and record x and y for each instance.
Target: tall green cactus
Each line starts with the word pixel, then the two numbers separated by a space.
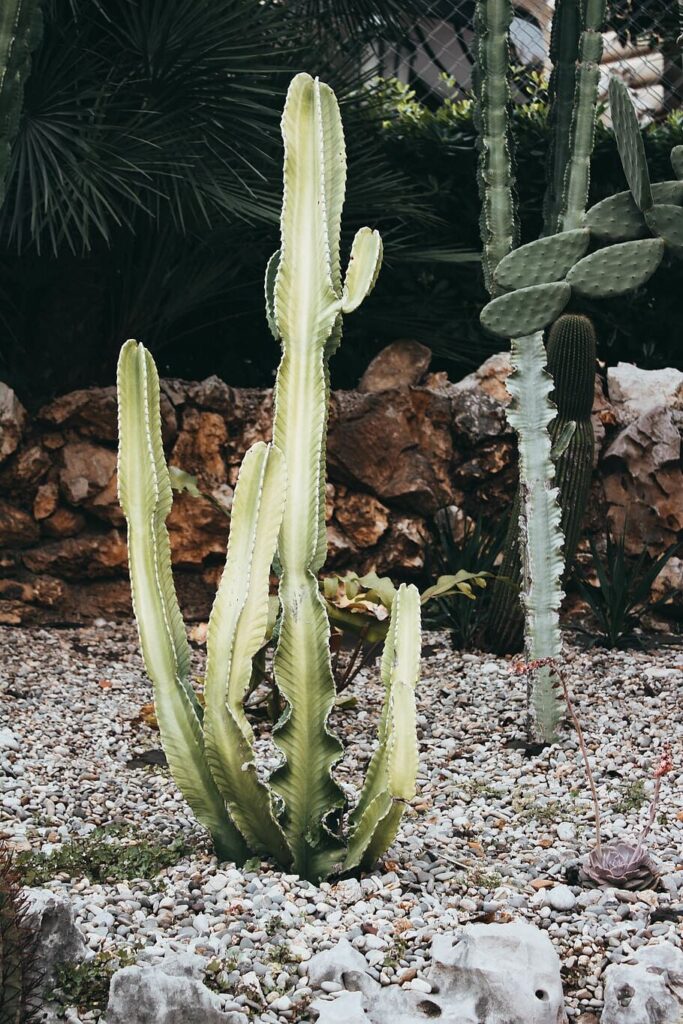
pixel 571 363
pixel 531 292
pixel 20 31
pixel 296 816
pixel 499 222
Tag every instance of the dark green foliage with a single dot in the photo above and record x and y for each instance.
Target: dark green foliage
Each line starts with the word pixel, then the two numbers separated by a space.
pixel 474 548
pixel 437 147
pixel 85 985
pixel 571 348
pixel 623 590
pixel 20 29
pixel 101 856
pixel 19 973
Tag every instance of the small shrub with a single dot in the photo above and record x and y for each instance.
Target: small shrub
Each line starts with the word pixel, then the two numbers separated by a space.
pixel 85 985
pixel 102 857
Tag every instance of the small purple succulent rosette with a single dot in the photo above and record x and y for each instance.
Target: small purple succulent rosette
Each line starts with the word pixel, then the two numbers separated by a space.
pixel 621 865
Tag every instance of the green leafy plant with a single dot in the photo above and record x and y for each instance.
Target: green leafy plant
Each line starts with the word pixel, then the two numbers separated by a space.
pixel 359 606
pixel 477 542
pixel 105 854
pixel 85 985
pixel 19 968
pixel 623 590
pixel 297 815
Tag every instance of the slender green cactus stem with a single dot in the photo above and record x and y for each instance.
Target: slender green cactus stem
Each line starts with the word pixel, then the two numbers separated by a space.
pixel 564 53
pixel 499 221
pixel 20 31
pixel 145 497
pixel 571 352
pixel 530 413
pixel 577 175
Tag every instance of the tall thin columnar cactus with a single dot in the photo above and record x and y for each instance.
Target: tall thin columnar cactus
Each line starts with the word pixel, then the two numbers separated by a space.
pixel 571 356
pixel 20 31
pixel 536 283
pixel 295 816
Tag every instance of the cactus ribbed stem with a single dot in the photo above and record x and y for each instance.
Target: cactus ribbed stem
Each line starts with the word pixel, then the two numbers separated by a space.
pixel 499 221
pixel 577 176
pixel 571 361
pixel 564 52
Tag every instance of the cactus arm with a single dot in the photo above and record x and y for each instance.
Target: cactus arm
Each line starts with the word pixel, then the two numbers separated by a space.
pixel 20 32
pixel 392 772
pixel 499 221
pixel 145 497
pixel 564 52
pixel 577 177
pixel 363 269
pixel 530 414
pixel 306 311
pixel 237 630
pixel 269 289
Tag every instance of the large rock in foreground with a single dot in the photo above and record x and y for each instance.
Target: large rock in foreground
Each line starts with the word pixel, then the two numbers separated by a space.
pixel 498 974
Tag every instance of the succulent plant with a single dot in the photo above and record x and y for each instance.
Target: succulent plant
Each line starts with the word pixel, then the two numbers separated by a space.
pixel 621 865
pixel 295 816
pixel 529 290
pixel 570 347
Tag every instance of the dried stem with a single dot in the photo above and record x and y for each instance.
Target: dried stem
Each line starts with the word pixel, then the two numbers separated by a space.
pixel 584 753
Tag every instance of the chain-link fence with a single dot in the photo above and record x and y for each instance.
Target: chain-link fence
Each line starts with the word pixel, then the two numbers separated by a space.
pixel 641 48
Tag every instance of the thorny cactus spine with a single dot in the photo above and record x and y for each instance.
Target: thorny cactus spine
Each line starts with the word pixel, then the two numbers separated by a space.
pixel 297 816
pixel 19 968
pixel 571 353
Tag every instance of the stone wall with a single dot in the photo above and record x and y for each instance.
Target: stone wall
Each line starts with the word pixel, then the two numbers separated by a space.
pixel 404 444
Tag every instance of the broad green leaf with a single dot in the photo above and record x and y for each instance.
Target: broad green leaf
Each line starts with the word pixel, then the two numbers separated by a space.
pixel 182 481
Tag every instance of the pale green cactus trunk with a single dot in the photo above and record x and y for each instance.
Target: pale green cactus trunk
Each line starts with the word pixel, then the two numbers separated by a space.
pixel 539 292
pixel 296 817
pixel 20 31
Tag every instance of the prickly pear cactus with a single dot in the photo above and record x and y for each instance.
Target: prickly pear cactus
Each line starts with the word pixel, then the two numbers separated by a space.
pixel 571 348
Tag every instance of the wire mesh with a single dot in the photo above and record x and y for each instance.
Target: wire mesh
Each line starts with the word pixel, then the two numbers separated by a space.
pixel 437 52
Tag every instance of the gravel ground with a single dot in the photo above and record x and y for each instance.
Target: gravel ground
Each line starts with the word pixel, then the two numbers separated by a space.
pixel 488 837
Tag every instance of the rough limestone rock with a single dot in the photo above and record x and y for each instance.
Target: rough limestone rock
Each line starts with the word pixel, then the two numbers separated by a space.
pixel 400 365
pixel 647 991
pixel 12 421
pixel 633 391
pixel 643 483
pixel 332 964
pixel 60 940
pixel 497 974
pixel 480 400
pixel 152 995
